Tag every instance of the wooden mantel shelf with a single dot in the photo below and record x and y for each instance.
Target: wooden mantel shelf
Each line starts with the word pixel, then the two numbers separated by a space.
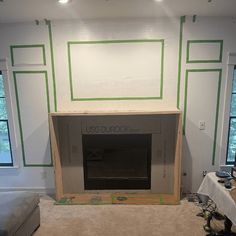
pixel 118 113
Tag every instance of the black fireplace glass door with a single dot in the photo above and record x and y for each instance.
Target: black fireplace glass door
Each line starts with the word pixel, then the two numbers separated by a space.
pixel 117 161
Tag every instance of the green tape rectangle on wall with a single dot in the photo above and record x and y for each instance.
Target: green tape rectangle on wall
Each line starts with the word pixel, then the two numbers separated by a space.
pixel 71 65
pixel 193 58
pixel 182 21
pixel 41 61
pixel 219 71
pixel 20 112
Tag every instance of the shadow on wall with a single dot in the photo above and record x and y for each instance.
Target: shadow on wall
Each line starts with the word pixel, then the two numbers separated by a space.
pixel 186 177
pixel 48 174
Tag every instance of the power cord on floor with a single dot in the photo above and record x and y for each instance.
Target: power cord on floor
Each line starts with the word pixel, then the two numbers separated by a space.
pixel 209 212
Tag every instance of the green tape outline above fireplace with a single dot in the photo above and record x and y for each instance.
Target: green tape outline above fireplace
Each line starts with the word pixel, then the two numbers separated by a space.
pixel 73 98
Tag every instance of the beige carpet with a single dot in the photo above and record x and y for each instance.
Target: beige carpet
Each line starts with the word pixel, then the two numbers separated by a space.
pixel 119 220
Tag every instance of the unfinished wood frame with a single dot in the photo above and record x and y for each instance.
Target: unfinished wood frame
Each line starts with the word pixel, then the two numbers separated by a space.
pixel 169 129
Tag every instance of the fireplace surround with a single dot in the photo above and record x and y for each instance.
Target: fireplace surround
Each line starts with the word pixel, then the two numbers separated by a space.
pixel 117 151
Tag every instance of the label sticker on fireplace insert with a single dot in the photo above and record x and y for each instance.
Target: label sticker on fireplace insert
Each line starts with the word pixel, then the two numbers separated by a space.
pixel 109 129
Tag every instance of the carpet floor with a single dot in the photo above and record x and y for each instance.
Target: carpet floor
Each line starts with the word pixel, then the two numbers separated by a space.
pixel 119 220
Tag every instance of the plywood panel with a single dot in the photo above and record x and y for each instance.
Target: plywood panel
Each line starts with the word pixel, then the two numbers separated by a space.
pixel 71 154
pixel 163 156
pixel 55 143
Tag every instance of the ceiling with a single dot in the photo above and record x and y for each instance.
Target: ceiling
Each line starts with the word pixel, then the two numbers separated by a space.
pixel 28 10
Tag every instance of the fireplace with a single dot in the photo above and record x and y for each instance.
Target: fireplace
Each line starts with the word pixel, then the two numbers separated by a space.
pixel 117 161
pixel 125 151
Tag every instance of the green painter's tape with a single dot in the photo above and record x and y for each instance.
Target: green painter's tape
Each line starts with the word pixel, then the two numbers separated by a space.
pixel 217 60
pixel 115 98
pixel 216 117
pixel 117 41
pixel 217 103
pixel 182 21
pixel 161 200
pixel 52 64
pixel 19 113
pixel 42 46
pixel 73 98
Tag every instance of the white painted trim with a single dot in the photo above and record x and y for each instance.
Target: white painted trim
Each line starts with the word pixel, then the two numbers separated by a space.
pixel 226 107
pixel 10 167
pixel 3 64
pixel 226 165
pixel 12 129
pixel 231 59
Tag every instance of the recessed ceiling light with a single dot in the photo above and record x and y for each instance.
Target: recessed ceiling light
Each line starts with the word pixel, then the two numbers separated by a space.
pixel 64 1
pixel 158 0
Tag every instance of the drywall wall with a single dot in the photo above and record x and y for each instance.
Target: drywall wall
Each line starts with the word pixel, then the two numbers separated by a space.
pixel 202 93
pixel 160 29
pixel 64 59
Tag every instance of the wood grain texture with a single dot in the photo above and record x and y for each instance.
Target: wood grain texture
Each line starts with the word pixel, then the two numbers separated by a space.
pixel 56 156
pixel 178 154
pixel 116 113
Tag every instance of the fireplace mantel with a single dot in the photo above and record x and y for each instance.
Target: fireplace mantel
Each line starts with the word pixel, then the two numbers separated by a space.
pixel 118 113
pixel 68 128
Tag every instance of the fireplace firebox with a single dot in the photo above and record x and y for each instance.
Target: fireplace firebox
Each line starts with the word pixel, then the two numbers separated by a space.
pixel 117 161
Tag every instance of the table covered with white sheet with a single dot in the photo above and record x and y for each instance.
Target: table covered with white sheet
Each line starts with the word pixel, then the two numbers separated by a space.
pixel 219 194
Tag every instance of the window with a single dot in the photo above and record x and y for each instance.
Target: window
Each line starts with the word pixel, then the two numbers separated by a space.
pixel 231 149
pixel 5 144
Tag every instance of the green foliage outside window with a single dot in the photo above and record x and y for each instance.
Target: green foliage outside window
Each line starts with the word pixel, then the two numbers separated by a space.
pixel 2 92
pixel 4 138
pixel 3 111
pixel 5 149
pixel 232 140
pixel 232 125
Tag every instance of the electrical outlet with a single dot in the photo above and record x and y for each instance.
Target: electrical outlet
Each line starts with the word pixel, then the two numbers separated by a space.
pixel 204 173
pixel 202 125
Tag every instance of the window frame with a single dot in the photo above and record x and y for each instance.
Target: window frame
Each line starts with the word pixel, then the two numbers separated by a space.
pixel 226 106
pixel 226 160
pixel 230 117
pixel 231 92
pixel 10 121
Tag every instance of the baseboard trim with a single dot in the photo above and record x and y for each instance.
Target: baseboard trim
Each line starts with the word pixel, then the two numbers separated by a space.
pixel 41 191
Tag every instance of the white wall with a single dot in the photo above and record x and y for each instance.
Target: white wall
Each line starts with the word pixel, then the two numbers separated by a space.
pixel 198 145
pixel 202 100
pixel 116 30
